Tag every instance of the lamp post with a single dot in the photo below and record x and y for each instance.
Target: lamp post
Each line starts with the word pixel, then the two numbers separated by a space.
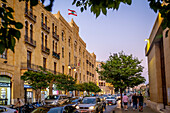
pixel 73 68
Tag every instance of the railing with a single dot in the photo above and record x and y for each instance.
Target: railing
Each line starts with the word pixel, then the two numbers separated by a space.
pixel 45 49
pixel 33 67
pixel 56 36
pixel 30 41
pixel 30 15
pixel 44 26
pixel 56 55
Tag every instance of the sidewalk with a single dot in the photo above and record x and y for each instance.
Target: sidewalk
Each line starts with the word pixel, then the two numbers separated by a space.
pixel 130 110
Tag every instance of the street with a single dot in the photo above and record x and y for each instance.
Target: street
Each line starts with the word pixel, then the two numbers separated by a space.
pixel 110 108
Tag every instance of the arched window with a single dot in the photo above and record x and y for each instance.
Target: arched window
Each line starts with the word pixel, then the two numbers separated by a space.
pixel 53 28
pixel 53 45
pixel 45 41
pixel 75 46
pixel 42 18
pixel 56 47
pixel 62 35
pixel 63 52
pixel 26 29
pixel 166 33
pixel 56 29
pixel 26 6
pixel 31 33
pixel 69 41
pixel 42 36
pixel 69 57
pixel 46 21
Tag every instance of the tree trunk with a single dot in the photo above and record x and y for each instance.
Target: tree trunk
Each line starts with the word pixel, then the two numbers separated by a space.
pixel 50 88
pixel 121 97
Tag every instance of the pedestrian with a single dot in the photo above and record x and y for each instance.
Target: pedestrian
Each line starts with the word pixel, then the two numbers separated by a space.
pixel 104 105
pixel 125 101
pixel 130 99
pixel 140 98
pixel 134 101
pixel 19 105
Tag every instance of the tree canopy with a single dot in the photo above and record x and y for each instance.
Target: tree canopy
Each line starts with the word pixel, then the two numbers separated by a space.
pixel 65 82
pixel 122 71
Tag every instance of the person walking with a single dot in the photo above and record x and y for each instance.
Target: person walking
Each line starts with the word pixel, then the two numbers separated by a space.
pixel 134 101
pixel 125 101
pixel 19 105
pixel 140 98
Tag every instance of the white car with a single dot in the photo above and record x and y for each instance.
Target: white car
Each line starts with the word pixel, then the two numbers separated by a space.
pixel 111 100
pixel 4 109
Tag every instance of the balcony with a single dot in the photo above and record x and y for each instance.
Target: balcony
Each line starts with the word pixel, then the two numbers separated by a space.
pixel 30 41
pixel 29 14
pixel 33 67
pixel 56 55
pixel 45 50
pixel 45 28
pixel 56 36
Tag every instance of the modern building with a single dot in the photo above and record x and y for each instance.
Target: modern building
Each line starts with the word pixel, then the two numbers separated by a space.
pixel 47 40
pixel 158 53
pixel 106 88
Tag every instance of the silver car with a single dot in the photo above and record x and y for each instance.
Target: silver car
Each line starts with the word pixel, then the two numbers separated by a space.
pixel 90 105
pixel 56 99
pixel 111 100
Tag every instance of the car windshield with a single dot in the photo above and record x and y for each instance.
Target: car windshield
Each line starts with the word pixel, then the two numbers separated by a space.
pixel 52 97
pixel 105 95
pixel 76 100
pixel 110 98
pixel 89 101
pixel 56 110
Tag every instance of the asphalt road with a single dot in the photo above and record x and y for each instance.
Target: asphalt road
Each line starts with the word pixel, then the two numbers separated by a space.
pixel 110 108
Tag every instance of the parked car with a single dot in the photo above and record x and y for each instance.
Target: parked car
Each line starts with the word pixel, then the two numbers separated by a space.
pixel 74 102
pixel 4 109
pixel 111 100
pixel 90 104
pixel 105 96
pixel 56 99
pixel 63 109
pixel 43 109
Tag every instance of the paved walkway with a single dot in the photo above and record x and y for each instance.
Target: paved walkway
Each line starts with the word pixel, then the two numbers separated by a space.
pixel 130 110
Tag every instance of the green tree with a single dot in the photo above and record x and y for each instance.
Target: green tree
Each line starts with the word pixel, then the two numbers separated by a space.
pixel 9 34
pixel 38 80
pixel 65 82
pixel 122 71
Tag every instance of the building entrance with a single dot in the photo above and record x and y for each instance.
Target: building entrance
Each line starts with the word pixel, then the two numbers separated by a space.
pixel 5 90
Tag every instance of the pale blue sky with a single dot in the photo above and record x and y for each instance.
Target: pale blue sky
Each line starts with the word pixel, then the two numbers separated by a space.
pixel 124 29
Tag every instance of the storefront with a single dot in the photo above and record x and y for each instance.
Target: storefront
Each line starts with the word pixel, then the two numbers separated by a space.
pixel 28 94
pixel 5 90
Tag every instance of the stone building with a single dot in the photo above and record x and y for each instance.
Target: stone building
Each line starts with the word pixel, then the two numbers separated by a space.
pixel 158 53
pixel 106 88
pixel 47 40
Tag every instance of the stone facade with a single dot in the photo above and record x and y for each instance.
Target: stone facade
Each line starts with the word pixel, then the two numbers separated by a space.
pixel 47 40
pixel 158 54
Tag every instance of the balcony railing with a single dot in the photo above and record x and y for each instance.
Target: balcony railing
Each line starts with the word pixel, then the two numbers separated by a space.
pixel 56 55
pixel 44 27
pixel 30 41
pixel 45 50
pixel 56 36
pixel 33 67
pixel 29 14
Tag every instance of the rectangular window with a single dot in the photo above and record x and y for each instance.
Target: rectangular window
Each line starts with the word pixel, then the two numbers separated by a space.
pixel 63 69
pixel 44 63
pixel 63 52
pixel 28 59
pixel 54 67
